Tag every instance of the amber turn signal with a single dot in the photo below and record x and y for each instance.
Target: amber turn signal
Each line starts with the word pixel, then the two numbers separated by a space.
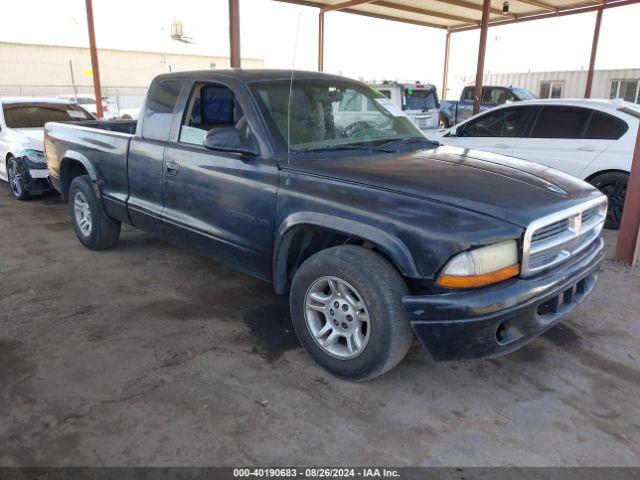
pixel 473 281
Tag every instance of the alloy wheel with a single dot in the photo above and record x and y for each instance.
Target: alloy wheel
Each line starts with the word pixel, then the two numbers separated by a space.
pixel 337 317
pixel 15 178
pixel 616 192
pixel 82 212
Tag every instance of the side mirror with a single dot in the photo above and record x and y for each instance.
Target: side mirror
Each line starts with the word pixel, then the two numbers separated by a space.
pixel 228 139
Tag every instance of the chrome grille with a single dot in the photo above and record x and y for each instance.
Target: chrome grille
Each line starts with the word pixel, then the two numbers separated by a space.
pixel 555 238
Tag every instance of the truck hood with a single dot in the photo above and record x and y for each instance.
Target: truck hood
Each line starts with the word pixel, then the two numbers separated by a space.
pixel 502 187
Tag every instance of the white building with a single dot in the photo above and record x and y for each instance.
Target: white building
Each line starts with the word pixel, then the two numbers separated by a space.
pixel 51 70
pixel 623 84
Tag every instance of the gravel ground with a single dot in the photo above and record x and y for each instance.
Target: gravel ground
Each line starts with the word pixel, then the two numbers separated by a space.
pixel 150 355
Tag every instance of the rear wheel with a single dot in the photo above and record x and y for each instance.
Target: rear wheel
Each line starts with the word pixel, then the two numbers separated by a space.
pixel 15 178
pixel 94 228
pixel 614 186
pixel 346 311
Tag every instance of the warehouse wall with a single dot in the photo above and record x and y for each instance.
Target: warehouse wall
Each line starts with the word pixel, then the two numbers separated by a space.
pixel 44 70
pixel 574 81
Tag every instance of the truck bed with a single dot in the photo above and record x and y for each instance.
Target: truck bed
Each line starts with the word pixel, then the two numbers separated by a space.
pixel 100 146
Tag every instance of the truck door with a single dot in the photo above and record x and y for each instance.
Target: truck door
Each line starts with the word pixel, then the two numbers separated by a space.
pixel 145 157
pixel 219 203
pixel 465 105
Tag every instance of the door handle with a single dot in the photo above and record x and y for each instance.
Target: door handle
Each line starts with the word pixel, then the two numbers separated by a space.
pixel 586 148
pixel 502 145
pixel 172 168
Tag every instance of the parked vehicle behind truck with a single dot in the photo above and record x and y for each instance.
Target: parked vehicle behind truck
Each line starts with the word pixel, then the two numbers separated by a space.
pixel 454 111
pixel 419 101
pixel 590 139
pixel 373 231
pixel 22 162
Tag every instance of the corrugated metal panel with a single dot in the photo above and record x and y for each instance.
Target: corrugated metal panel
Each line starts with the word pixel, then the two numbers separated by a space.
pixel 574 81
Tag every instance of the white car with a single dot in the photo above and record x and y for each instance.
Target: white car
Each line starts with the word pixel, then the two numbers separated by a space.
pixel 88 102
pixel 589 139
pixel 22 161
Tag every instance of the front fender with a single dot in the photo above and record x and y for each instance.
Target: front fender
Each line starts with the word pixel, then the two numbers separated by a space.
pixel 393 247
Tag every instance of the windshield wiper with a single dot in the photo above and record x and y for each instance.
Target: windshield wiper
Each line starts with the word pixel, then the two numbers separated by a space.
pixel 377 148
pixel 407 141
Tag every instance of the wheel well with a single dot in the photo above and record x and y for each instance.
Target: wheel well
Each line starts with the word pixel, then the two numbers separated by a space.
pixel 305 241
pixel 69 170
pixel 602 172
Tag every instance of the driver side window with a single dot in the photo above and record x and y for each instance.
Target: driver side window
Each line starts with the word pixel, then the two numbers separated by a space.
pixel 210 106
pixel 505 122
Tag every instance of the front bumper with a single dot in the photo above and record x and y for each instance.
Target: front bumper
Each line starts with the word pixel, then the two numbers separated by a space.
pixel 34 175
pixel 499 319
pixel 36 180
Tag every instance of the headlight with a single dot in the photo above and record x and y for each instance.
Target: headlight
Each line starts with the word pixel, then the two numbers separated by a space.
pixel 481 266
pixel 35 156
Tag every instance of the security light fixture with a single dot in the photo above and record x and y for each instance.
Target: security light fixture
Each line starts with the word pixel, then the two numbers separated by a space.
pixel 505 7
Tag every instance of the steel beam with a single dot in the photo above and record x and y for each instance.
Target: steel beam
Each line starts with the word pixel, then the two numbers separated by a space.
pixel 475 6
pixel 234 33
pixel 539 4
pixel 629 235
pixel 482 50
pixel 542 16
pixel 594 50
pixel 445 74
pixel 321 41
pixel 422 11
pixel 94 59
pixel 342 5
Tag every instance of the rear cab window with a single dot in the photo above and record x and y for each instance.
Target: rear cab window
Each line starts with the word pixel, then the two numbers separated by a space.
pixel 159 110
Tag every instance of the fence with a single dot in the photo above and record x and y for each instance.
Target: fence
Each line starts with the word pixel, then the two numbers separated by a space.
pixel 123 97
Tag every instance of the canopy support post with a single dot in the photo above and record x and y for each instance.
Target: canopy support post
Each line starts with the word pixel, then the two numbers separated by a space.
pixel 594 51
pixel 93 50
pixel 445 73
pixel 234 33
pixel 628 245
pixel 482 50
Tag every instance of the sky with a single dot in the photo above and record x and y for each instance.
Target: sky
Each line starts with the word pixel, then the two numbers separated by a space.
pixel 285 36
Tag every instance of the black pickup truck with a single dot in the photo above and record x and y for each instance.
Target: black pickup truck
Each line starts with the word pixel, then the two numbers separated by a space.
pixel 375 232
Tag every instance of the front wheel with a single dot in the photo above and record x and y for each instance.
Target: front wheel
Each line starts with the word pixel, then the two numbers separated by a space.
pixel 15 178
pixel 94 228
pixel 346 311
pixel 614 186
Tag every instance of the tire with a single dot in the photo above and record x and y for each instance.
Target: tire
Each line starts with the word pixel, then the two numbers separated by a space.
pixel 94 228
pixel 15 173
pixel 384 338
pixel 614 186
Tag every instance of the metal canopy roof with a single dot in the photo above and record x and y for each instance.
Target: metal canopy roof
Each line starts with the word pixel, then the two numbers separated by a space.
pixel 456 15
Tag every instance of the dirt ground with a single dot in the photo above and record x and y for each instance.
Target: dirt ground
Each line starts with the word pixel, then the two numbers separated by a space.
pixel 150 355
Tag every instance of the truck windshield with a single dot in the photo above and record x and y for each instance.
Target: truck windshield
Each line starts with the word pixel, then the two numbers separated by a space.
pixel 35 115
pixel 329 114
pixel 524 94
pixel 419 99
